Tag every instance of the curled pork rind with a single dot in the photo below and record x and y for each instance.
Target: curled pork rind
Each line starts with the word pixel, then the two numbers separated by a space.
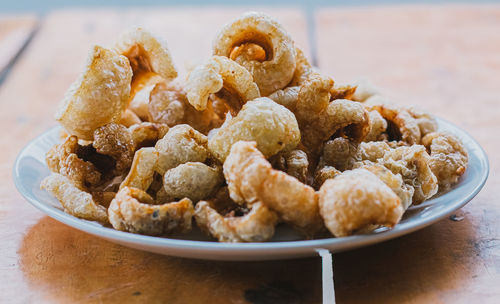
pixel 364 90
pixel 302 69
pixel 146 53
pixel 287 97
pixel 99 96
pixel 115 141
pixel 141 92
pixel 74 200
pixel 294 163
pixel 355 200
pixel 193 180
pixel 413 164
pixel 224 76
pixel 254 225
pixel 426 122
pixel 180 145
pixel 278 68
pixel 133 210
pixel 129 118
pixel 141 173
pixel 251 179
pixel 146 134
pixel 272 126
pixel 322 174
pixel 378 125
pixel 448 159
pixel 63 158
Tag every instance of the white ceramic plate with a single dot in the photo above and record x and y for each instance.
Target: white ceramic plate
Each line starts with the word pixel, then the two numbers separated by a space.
pixel 30 169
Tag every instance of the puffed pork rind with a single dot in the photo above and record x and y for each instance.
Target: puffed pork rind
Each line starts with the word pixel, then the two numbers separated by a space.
pixel 193 180
pixel 278 68
pixel 142 171
pixel 355 200
pixel 146 53
pixel 134 210
pixel 217 74
pixel 272 126
pixel 74 200
pixel 448 158
pixel 251 179
pixel 99 96
pixel 146 134
pixel 115 140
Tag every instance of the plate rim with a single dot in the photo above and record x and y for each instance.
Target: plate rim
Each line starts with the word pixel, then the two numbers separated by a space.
pixel 343 243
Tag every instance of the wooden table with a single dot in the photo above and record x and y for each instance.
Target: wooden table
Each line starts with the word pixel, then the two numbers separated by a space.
pixel 445 58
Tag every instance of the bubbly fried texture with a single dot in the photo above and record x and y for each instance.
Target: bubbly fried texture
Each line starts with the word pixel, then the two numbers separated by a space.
pixel 115 141
pixel 99 96
pixel 355 200
pixel 129 118
pixel 141 173
pixel 254 225
pixel 294 163
pixel 180 145
pixel 302 69
pixel 322 174
pixel 133 210
pixel 141 92
pixel 364 90
pixel 278 68
pixel 378 125
pixel 448 159
pixel 146 134
pixel 287 97
pixel 217 75
pixel 272 126
pixel 146 53
pixel 426 122
pixel 74 200
pixel 251 179
pixel 193 180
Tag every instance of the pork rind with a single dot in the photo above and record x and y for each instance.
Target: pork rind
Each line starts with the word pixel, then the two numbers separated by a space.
pixel 129 118
pixel 141 91
pixel 355 200
pixel 344 91
pixel 220 218
pixel 295 163
pixel 115 141
pixel 364 90
pixel 99 96
pixel 448 159
pixel 74 200
pixel 133 210
pixel 412 163
pixel 180 145
pixel 272 126
pixel 324 173
pixel 378 125
pixel 146 134
pixel 251 179
pixel 426 122
pixel 302 69
pixel 146 53
pixel 224 76
pixel 63 159
pixel 278 68
pixel 287 97
pixel 141 173
pixel 193 180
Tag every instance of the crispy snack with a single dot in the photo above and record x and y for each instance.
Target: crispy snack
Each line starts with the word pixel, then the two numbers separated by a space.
pixel 394 181
pixel 74 200
pixel 63 159
pixel 129 118
pixel 413 164
pixel 228 222
pixel 378 125
pixel 141 173
pixel 345 91
pixel 180 145
pixel 356 199
pixel 287 97
pixel 294 163
pixel 426 122
pixel 302 69
pixel 133 210
pixel 146 53
pixel 364 90
pixel 141 92
pixel 340 153
pixel 449 157
pixel 222 76
pixel 99 96
pixel 115 141
pixel 278 68
pixel 251 179
pixel 193 180
pixel 401 124
pixel 323 174
pixel 272 126
pixel 146 134
pixel 314 97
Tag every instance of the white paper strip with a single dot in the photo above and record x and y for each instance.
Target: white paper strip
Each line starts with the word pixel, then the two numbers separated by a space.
pixel 328 285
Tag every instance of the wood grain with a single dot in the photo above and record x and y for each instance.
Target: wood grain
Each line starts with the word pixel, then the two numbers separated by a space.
pixel 14 32
pixel 445 59
pixel 44 261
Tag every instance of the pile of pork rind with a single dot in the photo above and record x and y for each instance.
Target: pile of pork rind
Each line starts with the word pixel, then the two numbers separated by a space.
pixel 252 138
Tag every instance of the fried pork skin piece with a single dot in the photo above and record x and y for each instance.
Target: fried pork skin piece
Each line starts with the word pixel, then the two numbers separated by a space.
pixel 272 126
pixel 129 118
pixel 277 70
pixel 449 157
pixel 287 97
pixel 134 210
pixel 255 225
pixel 193 180
pixel 378 125
pixel 146 134
pixel 426 122
pixel 302 69
pixel 142 171
pixel 217 74
pixel 294 163
pixel 251 179
pixel 99 96
pixel 324 173
pixel 180 145
pixel 146 53
pixel 412 163
pixel 364 90
pixel 74 200
pixel 63 159
pixel 115 141
pixel 355 200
